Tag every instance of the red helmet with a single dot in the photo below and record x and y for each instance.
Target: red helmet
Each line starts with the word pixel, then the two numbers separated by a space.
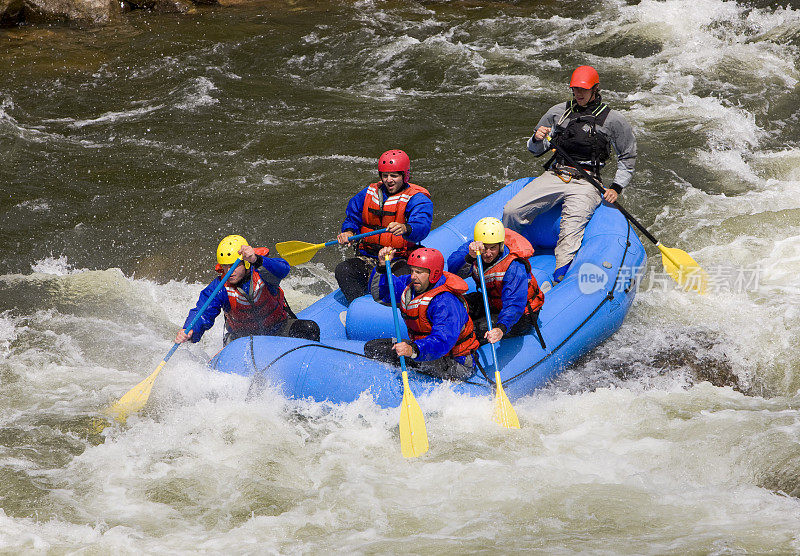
pixel 584 77
pixel 395 160
pixel 425 257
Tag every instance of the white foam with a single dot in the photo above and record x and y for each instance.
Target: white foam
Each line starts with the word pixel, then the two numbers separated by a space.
pixel 199 94
pixel 35 205
pixel 8 333
pixel 57 266
pixel 117 116
pixel 28 133
pixel 612 452
pixel 342 157
pixel 781 265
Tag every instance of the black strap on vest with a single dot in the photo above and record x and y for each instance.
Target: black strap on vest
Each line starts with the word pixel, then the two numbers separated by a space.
pixel 380 213
pixel 596 117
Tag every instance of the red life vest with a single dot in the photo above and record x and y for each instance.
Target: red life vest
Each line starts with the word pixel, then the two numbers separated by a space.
pixel 258 310
pixel 415 310
pixel 379 213
pixel 519 249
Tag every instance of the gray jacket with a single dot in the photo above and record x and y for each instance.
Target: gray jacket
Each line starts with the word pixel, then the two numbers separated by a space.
pixel 615 127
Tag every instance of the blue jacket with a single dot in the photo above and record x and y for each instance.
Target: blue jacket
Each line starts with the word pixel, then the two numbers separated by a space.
pixel 419 215
pixel 446 314
pixel 271 270
pixel 515 285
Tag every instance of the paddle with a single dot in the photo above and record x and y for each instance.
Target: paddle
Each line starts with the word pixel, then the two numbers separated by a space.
pixel 413 436
pixel 299 252
pixel 136 398
pixel 678 264
pixel 504 413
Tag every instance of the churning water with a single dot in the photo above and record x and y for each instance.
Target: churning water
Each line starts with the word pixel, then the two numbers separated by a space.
pixel 129 150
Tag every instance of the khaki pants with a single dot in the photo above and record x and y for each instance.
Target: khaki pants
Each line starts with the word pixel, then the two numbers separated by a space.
pixel 579 197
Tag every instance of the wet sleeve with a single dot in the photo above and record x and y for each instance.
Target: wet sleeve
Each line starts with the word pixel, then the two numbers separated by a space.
pixel 379 287
pixel 624 143
pixel 375 284
pixel 272 270
pixel 514 296
pixel 419 217
pixel 208 316
pixel 549 119
pixel 352 220
pixel 447 316
pixel 457 262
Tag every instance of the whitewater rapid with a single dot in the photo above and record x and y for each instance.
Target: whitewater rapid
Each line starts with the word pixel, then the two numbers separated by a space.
pixel 123 167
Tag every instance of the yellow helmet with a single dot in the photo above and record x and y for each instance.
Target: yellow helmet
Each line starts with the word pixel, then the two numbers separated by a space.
pixel 228 250
pixel 490 230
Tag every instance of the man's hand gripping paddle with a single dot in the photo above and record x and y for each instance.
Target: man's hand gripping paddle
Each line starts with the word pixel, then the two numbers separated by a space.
pixel 678 264
pixel 504 413
pixel 299 252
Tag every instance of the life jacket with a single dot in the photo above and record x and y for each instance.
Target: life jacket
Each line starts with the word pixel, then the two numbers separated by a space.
pixel 414 310
pixel 519 249
pixel 258 310
pixel 379 213
pixel 578 135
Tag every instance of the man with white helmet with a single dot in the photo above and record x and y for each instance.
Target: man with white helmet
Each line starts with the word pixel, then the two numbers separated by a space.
pixel 585 128
pixel 252 299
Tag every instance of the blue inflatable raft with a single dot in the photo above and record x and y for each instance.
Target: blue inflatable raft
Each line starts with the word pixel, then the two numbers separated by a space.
pixel 579 313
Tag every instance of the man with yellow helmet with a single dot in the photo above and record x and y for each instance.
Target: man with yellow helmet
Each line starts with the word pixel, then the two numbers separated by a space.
pixel 252 299
pixel 514 295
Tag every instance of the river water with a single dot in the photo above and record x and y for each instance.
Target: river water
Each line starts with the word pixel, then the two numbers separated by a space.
pixel 129 150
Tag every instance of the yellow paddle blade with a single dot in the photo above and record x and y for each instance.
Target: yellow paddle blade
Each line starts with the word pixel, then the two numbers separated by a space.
pixel 297 252
pixel 97 425
pixel 413 435
pixel 504 413
pixel 684 269
pixel 135 399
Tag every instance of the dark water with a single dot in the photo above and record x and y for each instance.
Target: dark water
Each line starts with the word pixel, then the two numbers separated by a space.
pixel 128 151
pixel 138 146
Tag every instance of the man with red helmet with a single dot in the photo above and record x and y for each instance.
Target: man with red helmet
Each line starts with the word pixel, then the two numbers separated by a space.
pixel 442 338
pixel 252 299
pixel 394 203
pixel 586 128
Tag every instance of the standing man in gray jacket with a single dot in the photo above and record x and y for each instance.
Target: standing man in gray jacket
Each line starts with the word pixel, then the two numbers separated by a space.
pixel 586 128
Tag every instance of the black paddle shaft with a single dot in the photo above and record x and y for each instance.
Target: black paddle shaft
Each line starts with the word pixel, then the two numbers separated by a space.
pixel 585 175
